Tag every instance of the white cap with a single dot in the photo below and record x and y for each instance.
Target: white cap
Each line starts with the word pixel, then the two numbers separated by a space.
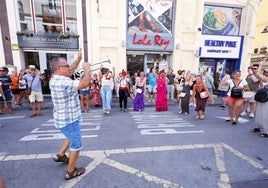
pixel 31 67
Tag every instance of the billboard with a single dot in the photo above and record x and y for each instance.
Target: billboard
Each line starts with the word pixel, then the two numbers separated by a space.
pixel 218 20
pixel 150 25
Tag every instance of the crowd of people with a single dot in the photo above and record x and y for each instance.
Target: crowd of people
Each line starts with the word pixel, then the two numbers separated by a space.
pixel 158 86
pixel 71 94
pixel 27 84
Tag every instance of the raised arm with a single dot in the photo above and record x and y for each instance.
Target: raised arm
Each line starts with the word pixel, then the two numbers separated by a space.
pixel 77 60
pixel 259 74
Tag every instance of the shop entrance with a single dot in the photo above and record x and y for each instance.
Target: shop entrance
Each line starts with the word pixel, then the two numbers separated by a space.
pixel 135 64
pixel 216 67
pixel 138 63
pixel 32 58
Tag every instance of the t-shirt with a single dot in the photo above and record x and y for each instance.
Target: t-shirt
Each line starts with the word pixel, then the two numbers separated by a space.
pixel 152 79
pixel 231 84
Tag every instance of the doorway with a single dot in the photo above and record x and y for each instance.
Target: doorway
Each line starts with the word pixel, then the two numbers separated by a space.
pixel 32 58
pixel 135 64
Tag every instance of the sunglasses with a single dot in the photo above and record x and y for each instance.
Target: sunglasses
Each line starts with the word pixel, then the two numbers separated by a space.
pixel 64 66
pixel 254 68
pixel 2 70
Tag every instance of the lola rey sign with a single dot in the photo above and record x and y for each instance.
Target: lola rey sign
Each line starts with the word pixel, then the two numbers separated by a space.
pixel 146 41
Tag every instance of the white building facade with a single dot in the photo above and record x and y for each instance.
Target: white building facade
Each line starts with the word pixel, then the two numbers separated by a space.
pixel 192 35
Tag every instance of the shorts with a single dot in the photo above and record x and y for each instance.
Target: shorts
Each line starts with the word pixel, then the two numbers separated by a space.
pixel 84 92
pixel 8 97
pixel 232 100
pixel 151 89
pixel 179 87
pixel 73 133
pixel 222 93
pixel 251 97
pixel 36 96
pixel 15 91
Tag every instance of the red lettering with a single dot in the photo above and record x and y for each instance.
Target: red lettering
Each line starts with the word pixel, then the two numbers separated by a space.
pixel 143 41
pixel 158 40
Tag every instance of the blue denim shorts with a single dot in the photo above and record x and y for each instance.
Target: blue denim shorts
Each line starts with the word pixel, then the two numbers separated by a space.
pixel 8 97
pixel 73 134
pixel 84 92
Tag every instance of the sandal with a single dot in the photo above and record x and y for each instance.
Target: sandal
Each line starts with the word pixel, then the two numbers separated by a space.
pixel 264 135
pixel 234 122
pixel 75 173
pixel 60 158
pixel 39 114
pixel 33 115
pixel 256 129
pixel 229 120
pixel 202 116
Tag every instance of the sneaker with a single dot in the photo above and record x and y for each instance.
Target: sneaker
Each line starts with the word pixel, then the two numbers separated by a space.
pixel 251 115
pixel 243 114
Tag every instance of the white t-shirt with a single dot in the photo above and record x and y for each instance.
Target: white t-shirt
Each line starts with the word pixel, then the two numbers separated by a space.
pixel 242 83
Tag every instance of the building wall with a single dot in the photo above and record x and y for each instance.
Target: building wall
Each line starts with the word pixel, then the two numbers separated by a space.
pixel 107 25
pixel 260 39
pixel 108 29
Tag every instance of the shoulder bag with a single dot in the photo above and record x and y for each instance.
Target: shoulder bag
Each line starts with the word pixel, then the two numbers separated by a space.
pixel 29 89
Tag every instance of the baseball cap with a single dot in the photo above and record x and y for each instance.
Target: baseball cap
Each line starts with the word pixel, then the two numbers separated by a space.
pixel 31 67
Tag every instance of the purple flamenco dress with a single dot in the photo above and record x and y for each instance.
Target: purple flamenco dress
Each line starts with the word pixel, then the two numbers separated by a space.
pixel 139 100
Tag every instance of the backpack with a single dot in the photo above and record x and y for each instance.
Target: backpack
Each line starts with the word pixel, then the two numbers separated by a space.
pixel 261 95
pixel 236 92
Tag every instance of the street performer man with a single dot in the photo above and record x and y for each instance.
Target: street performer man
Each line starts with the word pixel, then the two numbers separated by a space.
pixel 67 111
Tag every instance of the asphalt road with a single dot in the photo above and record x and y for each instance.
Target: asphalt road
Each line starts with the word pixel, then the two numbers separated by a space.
pixel 135 149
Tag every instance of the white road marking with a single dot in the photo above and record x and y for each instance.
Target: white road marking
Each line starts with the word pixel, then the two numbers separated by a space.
pixel 102 156
pixel 153 123
pixel 240 119
pixel 166 131
pixel 12 117
pixel 92 123
pixel 149 126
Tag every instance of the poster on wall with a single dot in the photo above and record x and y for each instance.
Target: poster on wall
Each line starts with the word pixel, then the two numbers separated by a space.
pixel 150 25
pixel 150 15
pixel 218 20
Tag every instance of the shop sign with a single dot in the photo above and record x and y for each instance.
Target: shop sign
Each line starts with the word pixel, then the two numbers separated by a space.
pixel 151 42
pixel 213 46
pixel 48 42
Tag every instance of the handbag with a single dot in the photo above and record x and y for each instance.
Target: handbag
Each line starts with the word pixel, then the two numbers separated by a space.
pixel 182 94
pixel 29 89
pixel 261 95
pixel 203 95
pixel 139 90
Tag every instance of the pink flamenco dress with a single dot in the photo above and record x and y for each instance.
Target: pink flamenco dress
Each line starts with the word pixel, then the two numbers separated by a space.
pixel 161 103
